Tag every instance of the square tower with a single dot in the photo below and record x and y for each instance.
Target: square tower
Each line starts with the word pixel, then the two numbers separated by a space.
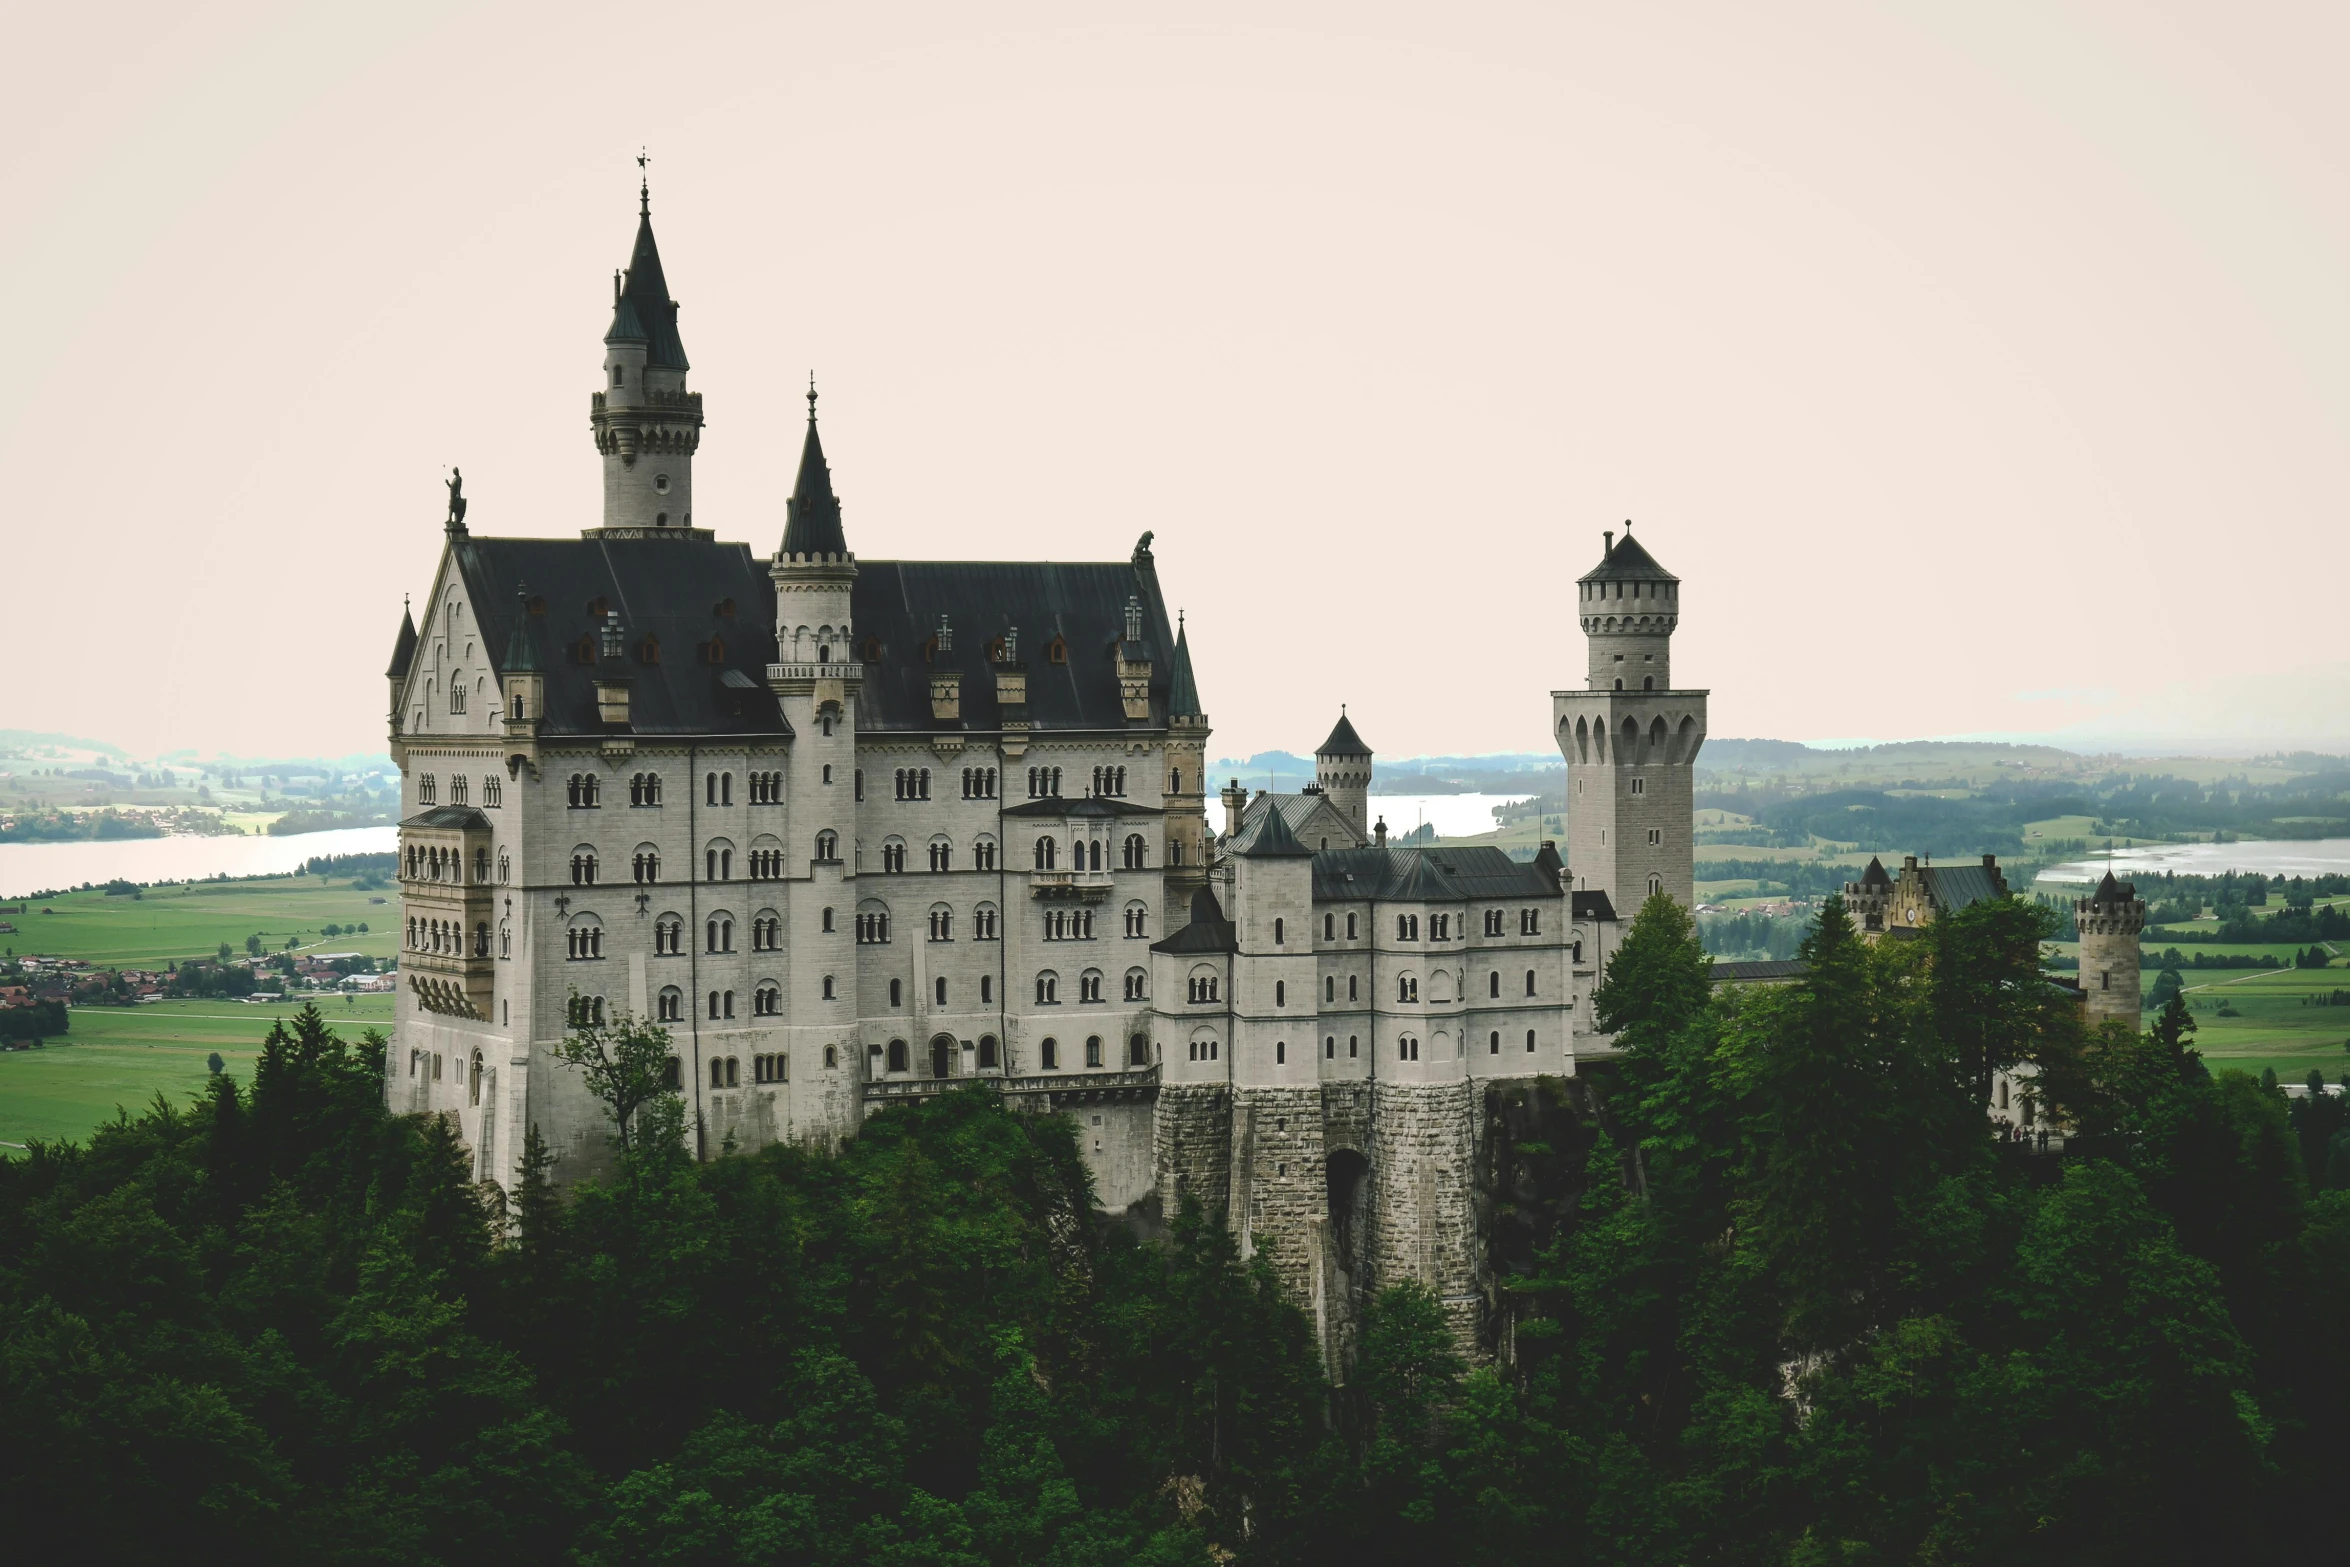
pixel 1630 738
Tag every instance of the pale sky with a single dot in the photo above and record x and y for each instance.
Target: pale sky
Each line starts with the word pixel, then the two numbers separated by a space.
pixel 1980 368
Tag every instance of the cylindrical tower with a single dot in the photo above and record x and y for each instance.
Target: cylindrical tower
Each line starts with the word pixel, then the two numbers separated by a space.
pixel 1629 605
pixel 1342 767
pixel 645 423
pixel 2110 920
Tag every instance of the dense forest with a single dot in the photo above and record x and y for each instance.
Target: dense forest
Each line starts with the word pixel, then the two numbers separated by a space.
pixel 1771 1292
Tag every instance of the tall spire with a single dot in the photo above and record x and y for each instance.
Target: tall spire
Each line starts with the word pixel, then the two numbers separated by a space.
pixel 644 312
pixel 812 517
pixel 1183 697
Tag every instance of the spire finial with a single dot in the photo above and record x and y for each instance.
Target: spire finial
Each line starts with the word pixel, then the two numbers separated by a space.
pixel 811 397
pixel 644 184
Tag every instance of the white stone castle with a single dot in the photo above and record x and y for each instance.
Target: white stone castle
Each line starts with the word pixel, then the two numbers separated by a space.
pixel 854 831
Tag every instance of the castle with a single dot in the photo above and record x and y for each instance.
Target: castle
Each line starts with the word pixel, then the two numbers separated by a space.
pixel 855 831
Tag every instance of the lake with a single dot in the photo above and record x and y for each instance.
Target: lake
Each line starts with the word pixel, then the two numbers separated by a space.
pixel 2268 857
pixel 27 868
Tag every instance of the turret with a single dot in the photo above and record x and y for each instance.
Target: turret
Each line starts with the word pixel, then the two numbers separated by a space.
pixel 813 569
pixel 646 424
pixel 1629 605
pixel 1342 767
pixel 2110 920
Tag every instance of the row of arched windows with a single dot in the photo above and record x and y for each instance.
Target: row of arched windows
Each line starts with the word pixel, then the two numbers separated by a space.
pixel 979 783
pixel 1088 855
pixel 447 937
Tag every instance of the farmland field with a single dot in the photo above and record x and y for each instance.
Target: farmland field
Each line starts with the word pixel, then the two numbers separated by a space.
pixel 192 919
pixel 126 1055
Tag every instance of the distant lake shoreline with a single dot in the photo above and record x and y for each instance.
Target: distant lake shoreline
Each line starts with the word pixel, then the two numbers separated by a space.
pixel 28 868
pixel 2286 857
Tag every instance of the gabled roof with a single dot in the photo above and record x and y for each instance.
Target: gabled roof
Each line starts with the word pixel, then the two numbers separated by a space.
pixel 1269 838
pixel 1298 810
pixel 896 604
pixel 812 515
pixel 1183 696
pixel 1082 807
pixel 1955 887
pixel 1625 560
pixel 2111 891
pixel 1439 875
pixel 403 646
pixel 1343 740
pixel 675 591
pixel 460 817
pixel 1773 971
pixel 1209 930
pixel 1592 906
pixel 644 312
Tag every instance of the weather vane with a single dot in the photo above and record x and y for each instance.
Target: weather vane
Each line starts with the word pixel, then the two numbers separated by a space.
pixel 811 397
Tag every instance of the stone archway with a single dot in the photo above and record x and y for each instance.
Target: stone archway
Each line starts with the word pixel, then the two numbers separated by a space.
pixel 942 1056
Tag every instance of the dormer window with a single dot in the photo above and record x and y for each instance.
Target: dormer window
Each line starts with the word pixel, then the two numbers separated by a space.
pixel 1057 651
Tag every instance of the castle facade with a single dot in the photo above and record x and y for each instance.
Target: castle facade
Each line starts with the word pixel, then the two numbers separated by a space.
pixel 855 831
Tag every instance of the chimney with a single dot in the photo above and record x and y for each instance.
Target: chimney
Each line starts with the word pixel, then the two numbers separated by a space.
pixel 1379 834
pixel 1608 534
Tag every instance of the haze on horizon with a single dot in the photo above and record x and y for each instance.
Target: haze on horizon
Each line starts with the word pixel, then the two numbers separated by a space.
pixel 1981 370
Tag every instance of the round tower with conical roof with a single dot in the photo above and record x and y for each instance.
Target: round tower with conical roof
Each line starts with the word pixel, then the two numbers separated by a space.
pixel 2110 919
pixel 1630 738
pixel 1342 768
pixel 646 425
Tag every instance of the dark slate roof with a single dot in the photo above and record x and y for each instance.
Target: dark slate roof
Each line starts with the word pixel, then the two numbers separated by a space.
pixel 1626 560
pixel 644 312
pixel 897 603
pixel 1209 930
pixel 812 515
pixel 1547 861
pixel 404 646
pixel 1343 740
pixel 1269 838
pixel 669 589
pixel 1183 696
pixel 1082 807
pixel 521 658
pixel 1956 887
pixel 1296 809
pixel 1439 875
pixel 1769 972
pixel 2111 891
pixel 1593 906
pixel 1875 876
pixel 462 817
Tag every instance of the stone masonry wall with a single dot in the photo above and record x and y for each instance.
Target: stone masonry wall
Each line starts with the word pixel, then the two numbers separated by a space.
pixel 1192 1154
pixel 1423 1217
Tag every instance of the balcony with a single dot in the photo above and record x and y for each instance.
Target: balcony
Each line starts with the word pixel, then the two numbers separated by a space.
pixel 450 984
pixel 1059 1090
pixel 1084 886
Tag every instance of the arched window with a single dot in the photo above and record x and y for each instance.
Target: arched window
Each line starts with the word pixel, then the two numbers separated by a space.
pixel 1089 985
pixel 767 1000
pixel 1277 933
pixel 983 922
pixel 1093 1050
pixel 1280 992
pixel 1137 854
pixel 1049 1054
pixel 1529 1041
pixel 897 1055
pixel 671 1005
pixel 897 992
pixel 828 991
pixel 1493 983
pixel 1048 989
pixel 1656 884
pixel 1138 1050
pixel 987 1057
pixel 583 866
pixel 1529 982
pixel 827 846
pixel 942 922
pixel 1044 854
pixel 1137 984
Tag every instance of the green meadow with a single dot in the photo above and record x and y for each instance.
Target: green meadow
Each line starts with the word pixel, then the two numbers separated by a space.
pixel 125 1056
pixel 191 920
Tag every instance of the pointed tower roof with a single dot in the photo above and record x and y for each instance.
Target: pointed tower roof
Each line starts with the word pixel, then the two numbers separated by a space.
pixel 642 311
pixel 404 648
pixel 812 516
pixel 520 659
pixel 1627 561
pixel 1875 876
pixel 1547 861
pixel 1343 740
pixel 1183 698
pixel 2112 891
pixel 1272 839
